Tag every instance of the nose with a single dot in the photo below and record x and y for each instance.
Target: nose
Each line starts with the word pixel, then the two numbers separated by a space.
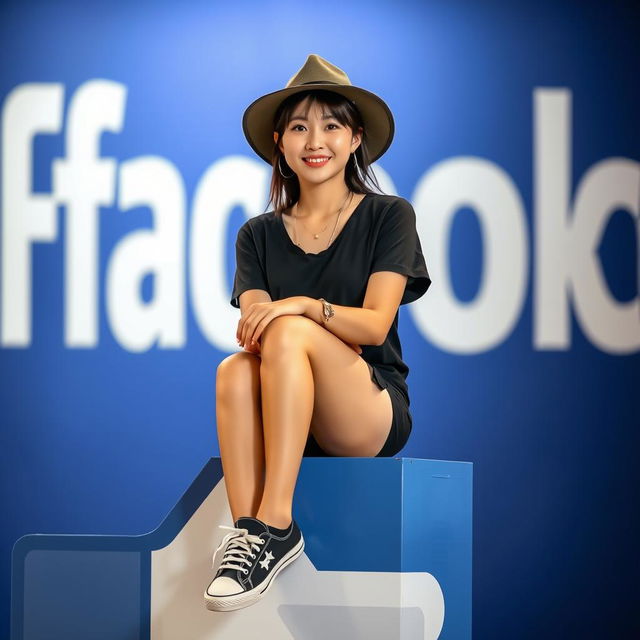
pixel 314 138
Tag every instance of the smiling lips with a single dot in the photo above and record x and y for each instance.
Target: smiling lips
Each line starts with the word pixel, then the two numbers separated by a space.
pixel 316 161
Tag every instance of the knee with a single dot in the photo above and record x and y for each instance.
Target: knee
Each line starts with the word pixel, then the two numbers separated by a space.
pixel 236 374
pixel 284 332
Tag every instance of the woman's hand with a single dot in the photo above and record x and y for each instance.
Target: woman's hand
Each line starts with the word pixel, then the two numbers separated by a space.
pixel 260 314
pixel 253 348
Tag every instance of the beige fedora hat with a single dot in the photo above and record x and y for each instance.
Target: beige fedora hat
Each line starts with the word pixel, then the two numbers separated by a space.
pixel 318 73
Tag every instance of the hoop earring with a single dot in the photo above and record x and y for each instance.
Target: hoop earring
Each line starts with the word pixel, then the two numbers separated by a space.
pixel 282 174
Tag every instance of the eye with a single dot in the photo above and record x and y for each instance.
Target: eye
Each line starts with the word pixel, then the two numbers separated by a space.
pixel 295 126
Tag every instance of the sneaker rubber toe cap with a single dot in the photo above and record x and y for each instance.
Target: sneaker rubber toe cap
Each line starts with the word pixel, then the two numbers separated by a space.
pixel 224 586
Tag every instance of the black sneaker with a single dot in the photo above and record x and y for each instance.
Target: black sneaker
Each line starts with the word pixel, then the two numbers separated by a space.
pixel 253 557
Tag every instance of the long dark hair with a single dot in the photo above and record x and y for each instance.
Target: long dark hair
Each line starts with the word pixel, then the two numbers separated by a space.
pixel 285 192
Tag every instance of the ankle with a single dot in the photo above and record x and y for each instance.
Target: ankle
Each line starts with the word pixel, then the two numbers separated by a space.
pixel 277 521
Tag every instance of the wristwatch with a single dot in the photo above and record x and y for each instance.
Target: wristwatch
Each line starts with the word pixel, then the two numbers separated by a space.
pixel 327 310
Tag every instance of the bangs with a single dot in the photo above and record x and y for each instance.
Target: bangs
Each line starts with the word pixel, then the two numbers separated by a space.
pixel 329 102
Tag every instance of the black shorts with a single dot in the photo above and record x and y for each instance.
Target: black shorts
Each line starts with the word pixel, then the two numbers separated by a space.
pixel 401 424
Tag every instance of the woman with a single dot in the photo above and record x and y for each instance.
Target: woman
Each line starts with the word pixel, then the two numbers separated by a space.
pixel 318 281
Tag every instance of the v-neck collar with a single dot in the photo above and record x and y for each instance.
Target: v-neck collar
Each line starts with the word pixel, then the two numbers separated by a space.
pixel 300 250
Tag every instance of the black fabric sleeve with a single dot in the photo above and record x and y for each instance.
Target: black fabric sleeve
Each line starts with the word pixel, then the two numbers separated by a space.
pixel 398 249
pixel 249 272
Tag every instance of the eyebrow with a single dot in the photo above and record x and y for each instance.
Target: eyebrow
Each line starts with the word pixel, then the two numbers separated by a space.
pixel 324 117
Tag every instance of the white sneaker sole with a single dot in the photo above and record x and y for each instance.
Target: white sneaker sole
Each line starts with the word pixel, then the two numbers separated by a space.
pixel 246 598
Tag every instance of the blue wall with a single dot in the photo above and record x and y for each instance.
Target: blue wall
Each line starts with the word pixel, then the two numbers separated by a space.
pixel 517 141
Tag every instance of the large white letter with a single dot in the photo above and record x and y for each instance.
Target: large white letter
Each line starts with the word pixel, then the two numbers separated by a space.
pixel 152 182
pixel 611 325
pixel 29 110
pixel 83 184
pixel 567 261
pixel 230 182
pixel 486 321
pixel 552 242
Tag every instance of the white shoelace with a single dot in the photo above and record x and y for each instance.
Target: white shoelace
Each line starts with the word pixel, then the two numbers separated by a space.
pixel 241 546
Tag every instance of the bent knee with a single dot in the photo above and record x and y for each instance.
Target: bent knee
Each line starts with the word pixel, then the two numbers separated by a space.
pixel 285 331
pixel 236 371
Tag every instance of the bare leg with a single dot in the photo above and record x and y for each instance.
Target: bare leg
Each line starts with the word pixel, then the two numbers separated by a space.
pixel 310 379
pixel 239 426
pixel 287 406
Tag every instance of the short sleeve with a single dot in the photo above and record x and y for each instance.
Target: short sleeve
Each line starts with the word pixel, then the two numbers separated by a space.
pixel 398 249
pixel 249 272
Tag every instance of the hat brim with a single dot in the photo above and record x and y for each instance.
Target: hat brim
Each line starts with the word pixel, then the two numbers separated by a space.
pixel 257 121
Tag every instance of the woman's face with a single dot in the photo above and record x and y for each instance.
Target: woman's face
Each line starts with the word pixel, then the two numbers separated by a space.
pixel 317 133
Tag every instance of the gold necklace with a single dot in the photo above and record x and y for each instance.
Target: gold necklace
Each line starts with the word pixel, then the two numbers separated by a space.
pixel 316 235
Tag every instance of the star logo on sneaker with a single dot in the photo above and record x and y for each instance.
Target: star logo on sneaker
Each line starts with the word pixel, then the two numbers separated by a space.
pixel 267 559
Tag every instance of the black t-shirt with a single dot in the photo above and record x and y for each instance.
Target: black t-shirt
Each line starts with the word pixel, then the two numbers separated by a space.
pixel 380 235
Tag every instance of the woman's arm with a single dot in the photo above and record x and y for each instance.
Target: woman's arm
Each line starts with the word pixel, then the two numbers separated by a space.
pixel 248 297
pixel 370 323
